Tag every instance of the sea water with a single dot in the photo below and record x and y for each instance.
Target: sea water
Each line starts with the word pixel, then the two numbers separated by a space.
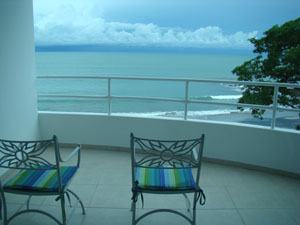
pixel 133 64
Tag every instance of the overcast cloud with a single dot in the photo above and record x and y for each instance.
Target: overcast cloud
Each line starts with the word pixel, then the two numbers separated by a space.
pixel 139 23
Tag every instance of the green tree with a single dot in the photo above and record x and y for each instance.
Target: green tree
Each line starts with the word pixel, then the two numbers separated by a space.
pixel 278 60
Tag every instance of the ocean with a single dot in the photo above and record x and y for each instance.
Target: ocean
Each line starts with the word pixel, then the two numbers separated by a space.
pixel 136 64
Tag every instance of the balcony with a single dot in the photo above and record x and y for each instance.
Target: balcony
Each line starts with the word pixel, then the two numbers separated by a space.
pixel 235 195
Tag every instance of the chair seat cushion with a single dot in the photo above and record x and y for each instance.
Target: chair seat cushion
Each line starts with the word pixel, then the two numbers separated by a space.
pixel 163 178
pixel 40 180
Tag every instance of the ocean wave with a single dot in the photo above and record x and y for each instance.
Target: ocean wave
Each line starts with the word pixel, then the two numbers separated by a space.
pixel 226 97
pixel 217 97
pixel 180 114
pixel 235 87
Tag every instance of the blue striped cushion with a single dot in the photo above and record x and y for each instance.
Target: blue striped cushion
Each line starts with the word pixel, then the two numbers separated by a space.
pixel 164 178
pixel 40 180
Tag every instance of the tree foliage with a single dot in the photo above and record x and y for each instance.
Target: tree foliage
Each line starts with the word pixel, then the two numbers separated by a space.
pixel 278 60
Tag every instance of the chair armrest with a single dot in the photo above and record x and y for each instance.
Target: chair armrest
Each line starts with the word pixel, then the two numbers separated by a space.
pixel 195 154
pixel 76 150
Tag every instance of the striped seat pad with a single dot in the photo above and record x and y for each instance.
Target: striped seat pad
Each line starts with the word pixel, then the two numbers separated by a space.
pixel 40 180
pixel 164 178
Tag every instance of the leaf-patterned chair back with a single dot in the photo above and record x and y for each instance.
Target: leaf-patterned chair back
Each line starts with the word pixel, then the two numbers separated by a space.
pixel 175 154
pixel 28 154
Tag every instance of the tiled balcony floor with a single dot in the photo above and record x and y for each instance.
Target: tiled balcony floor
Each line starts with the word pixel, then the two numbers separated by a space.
pixel 235 196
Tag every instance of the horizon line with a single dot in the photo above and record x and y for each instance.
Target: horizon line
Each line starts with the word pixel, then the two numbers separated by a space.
pixel 146 49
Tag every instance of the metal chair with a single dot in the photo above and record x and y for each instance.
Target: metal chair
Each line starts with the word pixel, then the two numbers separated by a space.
pixel 165 167
pixel 37 172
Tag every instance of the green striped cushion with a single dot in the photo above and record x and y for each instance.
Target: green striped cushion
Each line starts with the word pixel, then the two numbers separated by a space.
pixel 164 178
pixel 40 180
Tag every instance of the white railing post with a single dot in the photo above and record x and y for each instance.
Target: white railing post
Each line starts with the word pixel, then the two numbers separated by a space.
pixel 275 102
pixel 109 96
pixel 186 97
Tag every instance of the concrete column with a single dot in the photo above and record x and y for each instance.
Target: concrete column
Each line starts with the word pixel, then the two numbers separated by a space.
pixel 18 97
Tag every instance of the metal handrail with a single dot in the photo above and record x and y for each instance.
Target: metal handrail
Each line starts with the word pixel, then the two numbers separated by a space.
pixel 272 84
pixel 274 107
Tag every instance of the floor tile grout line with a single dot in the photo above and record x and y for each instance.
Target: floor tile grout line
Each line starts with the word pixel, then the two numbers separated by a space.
pixel 236 208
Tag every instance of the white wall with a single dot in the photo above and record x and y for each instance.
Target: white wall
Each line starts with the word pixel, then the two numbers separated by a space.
pixel 251 145
pixel 18 111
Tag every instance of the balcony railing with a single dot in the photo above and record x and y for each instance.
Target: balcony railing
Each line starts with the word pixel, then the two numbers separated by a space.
pixel 186 100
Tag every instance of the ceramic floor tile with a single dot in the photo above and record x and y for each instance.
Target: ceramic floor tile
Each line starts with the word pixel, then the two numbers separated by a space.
pixel 84 192
pixel 20 199
pixel 13 208
pixel 102 216
pixel 217 198
pixel 203 217
pixel 289 197
pixel 115 177
pixel 266 217
pixel 25 219
pixel 75 216
pixel 163 218
pixel 294 214
pixel 254 198
pixel 87 176
pixel 154 201
pixel 216 217
pixel 112 197
pixel 105 159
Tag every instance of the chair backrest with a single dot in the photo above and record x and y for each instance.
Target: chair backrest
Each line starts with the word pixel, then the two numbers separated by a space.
pixel 31 155
pixel 28 154
pixel 176 154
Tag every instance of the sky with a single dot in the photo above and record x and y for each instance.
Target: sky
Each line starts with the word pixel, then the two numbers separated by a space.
pixel 192 24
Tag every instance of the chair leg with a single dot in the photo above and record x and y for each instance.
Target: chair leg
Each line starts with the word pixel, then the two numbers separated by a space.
pixel 188 203
pixel 3 203
pixel 78 199
pixel 133 206
pixel 133 209
pixel 28 201
pixel 194 209
pixel 63 209
pixel 1 210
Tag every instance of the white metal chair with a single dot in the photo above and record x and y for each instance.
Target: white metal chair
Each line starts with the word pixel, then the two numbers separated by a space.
pixel 165 167
pixel 39 173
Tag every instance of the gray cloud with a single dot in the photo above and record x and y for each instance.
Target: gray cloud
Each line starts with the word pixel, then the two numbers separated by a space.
pixel 98 31
pixel 77 22
pixel 179 23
